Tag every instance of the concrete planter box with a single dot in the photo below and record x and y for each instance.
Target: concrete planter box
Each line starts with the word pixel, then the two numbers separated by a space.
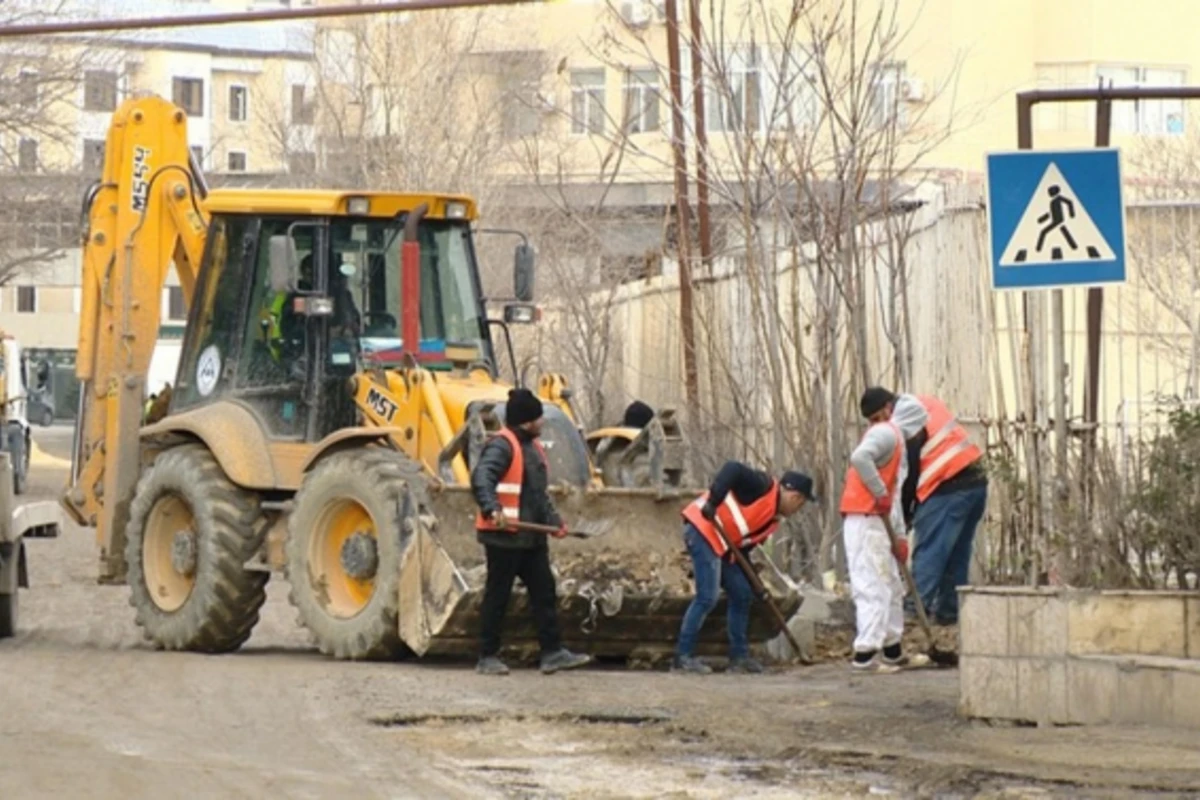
pixel 1052 656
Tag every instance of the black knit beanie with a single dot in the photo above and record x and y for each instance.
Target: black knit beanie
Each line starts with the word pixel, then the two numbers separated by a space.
pixel 523 406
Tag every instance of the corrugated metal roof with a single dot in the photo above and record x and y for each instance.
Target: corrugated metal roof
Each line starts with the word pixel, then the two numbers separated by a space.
pixel 292 37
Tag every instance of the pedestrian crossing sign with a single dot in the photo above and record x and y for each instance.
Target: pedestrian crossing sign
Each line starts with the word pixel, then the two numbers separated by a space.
pixel 1055 218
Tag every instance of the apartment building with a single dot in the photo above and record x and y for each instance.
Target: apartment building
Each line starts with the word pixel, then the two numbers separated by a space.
pixel 234 81
pixel 574 77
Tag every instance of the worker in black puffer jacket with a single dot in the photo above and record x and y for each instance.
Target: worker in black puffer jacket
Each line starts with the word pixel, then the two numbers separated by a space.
pixel 510 482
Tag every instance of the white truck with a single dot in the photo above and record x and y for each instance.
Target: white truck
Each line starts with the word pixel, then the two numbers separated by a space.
pixel 14 384
pixel 41 519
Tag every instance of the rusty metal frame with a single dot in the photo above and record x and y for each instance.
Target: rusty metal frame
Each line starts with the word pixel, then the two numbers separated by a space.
pixel 1103 96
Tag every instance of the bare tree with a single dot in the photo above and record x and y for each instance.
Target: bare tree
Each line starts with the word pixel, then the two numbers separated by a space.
pixel 41 82
pixel 1164 248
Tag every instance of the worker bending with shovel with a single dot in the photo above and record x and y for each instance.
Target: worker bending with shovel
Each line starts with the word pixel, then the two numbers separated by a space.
pixel 510 483
pixel 872 486
pixel 742 506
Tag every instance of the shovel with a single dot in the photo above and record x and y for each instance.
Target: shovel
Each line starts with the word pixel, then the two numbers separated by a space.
pixel 586 530
pixel 760 591
pixel 941 658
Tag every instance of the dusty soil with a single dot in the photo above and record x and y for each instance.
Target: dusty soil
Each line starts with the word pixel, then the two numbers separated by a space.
pixel 87 709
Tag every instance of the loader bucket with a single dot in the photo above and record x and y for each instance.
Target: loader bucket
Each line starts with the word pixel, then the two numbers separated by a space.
pixel 622 594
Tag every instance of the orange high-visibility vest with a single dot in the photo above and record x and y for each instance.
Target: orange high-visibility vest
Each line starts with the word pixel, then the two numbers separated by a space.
pixel 947 450
pixel 744 524
pixel 856 497
pixel 508 490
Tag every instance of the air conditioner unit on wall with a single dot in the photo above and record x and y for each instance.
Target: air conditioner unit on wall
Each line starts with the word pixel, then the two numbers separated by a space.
pixel 636 13
pixel 912 90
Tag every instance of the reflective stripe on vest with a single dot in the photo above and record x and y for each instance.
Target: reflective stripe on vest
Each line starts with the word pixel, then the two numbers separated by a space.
pixel 745 525
pixel 947 451
pixel 508 490
pixel 856 497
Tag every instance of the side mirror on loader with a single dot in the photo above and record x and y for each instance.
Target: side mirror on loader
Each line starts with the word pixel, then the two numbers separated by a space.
pixel 523 270
pixel 283 263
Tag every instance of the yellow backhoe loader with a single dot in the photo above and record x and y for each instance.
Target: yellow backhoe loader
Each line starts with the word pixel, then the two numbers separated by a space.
pixel 338 377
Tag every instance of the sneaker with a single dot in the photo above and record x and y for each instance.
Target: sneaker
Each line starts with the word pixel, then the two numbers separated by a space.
pixel 876 666
pixel 561 659
pixel 491 665
pixel 690 664
pixel 745 666
pixel 894 656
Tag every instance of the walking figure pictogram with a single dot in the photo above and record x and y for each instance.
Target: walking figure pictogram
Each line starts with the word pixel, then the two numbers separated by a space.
pixel 1057 219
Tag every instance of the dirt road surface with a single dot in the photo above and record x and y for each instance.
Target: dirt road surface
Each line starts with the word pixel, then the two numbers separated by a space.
pixel 87 709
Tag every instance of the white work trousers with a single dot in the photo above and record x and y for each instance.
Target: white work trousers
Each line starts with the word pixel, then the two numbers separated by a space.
pixel 875 583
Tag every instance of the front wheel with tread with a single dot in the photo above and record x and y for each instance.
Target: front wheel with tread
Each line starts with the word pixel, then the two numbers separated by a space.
pixel 190 533
pixel 344 547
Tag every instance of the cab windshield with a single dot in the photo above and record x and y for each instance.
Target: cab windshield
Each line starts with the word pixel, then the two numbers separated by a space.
pixel 364 270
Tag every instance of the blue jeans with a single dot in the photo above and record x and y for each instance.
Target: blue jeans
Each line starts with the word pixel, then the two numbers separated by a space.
pixel 945 534
pixel 711 573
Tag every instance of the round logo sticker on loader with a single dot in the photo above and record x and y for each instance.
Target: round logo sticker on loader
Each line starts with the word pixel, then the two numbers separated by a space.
pixel 208 370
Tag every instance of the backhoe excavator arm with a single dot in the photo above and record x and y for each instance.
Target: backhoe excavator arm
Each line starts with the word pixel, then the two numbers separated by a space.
pixel 143 217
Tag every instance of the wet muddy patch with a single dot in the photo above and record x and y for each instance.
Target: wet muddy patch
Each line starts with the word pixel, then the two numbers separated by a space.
pixel 640 718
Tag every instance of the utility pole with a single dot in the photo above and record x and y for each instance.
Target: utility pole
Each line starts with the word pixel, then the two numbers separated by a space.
pixel 682 216
pixel 702 205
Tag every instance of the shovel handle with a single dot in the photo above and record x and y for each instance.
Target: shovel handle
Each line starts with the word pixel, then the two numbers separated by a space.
pixel 759 589
pixel 922 617
pixel 534 527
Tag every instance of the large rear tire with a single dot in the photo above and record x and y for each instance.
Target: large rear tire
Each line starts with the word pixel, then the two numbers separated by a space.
pixel 345 541
pixel 190 533
pixel 632 475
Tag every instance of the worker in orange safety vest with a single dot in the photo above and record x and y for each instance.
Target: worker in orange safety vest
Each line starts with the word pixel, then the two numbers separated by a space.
pixel 943 499
pixel 748 504
pixel 871 492
pixel 510 482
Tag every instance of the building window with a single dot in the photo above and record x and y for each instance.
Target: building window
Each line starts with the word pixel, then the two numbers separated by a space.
pixel 237 162
pixel 302 163
pixel 99 90
pixel 304 111
pixel 520 115
pixel 734 101
pixel 587 101
pixel 188 94
pixel 27 155
pixel 197 153
pixel 27 88
pixel 887 96
pixel 176 309
pixel 642 101
pixel 26 299
pixel 93 155
pixel 239 104
pixel 1149 117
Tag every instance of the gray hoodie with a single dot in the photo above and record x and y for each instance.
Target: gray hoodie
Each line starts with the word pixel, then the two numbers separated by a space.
pixel 879 444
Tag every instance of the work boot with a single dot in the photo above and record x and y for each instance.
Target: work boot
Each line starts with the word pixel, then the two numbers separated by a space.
pixel 690 664
pixel 745 666
pixel 491 665
pixel 563 658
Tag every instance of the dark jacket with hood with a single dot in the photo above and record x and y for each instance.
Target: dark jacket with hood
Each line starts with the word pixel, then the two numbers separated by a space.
pixel 536 505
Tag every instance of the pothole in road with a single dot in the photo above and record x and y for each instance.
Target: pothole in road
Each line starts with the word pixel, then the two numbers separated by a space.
pixel 602 717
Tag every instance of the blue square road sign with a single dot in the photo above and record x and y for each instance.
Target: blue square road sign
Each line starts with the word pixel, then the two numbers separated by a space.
pixel 1055 218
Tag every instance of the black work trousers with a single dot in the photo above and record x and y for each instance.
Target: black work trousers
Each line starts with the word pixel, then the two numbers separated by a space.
pixel 532 566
